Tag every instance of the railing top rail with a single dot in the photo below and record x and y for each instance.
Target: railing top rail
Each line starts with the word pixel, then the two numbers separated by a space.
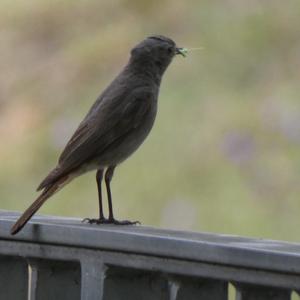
pixel 202 247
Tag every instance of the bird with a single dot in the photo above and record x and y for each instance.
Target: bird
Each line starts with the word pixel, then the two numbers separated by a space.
pixel 114 127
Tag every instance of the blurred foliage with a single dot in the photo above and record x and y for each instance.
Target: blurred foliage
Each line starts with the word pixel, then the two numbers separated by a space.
pixel 224 155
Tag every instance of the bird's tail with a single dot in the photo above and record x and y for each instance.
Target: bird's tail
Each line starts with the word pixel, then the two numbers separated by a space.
pixel 32 209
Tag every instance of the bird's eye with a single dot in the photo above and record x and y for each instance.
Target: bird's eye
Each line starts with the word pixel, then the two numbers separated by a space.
pixel 170 50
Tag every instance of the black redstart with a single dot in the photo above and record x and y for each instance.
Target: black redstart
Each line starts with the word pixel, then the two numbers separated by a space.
pixel 115 126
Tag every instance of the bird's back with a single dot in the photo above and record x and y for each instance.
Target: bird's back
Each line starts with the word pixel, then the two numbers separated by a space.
pixel 115 126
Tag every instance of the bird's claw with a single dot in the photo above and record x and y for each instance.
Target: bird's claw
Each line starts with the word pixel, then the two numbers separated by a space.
pixel 110 221
pixel 94 221
pixel 125 222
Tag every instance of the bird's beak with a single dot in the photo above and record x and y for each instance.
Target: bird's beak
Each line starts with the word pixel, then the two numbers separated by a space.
pixel 181 51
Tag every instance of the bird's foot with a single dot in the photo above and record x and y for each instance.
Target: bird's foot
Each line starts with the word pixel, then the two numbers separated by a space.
pixel 95 221
pixel 109 221
pixel 123 222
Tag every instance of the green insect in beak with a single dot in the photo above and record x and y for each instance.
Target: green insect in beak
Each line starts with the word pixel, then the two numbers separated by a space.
pixel 182 51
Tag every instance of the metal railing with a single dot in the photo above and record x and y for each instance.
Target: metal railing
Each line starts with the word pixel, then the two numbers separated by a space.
pixel 62 258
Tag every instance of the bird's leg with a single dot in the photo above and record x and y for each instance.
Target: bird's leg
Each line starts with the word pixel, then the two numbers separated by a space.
pixel 99 177
pixel 111 220
pixel 108 177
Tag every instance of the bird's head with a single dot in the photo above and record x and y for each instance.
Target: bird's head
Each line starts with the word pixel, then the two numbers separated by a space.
pixel 156 50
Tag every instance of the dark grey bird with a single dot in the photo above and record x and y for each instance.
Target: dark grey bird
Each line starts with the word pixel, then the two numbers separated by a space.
pixel 115 126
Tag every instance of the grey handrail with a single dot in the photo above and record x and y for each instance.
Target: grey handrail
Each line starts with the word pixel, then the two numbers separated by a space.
pixel 112 260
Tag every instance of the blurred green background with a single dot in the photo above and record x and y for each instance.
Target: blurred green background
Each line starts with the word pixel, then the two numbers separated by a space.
pixel 224 154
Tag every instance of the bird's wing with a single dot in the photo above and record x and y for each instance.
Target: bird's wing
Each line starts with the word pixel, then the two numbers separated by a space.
pixel 112 120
